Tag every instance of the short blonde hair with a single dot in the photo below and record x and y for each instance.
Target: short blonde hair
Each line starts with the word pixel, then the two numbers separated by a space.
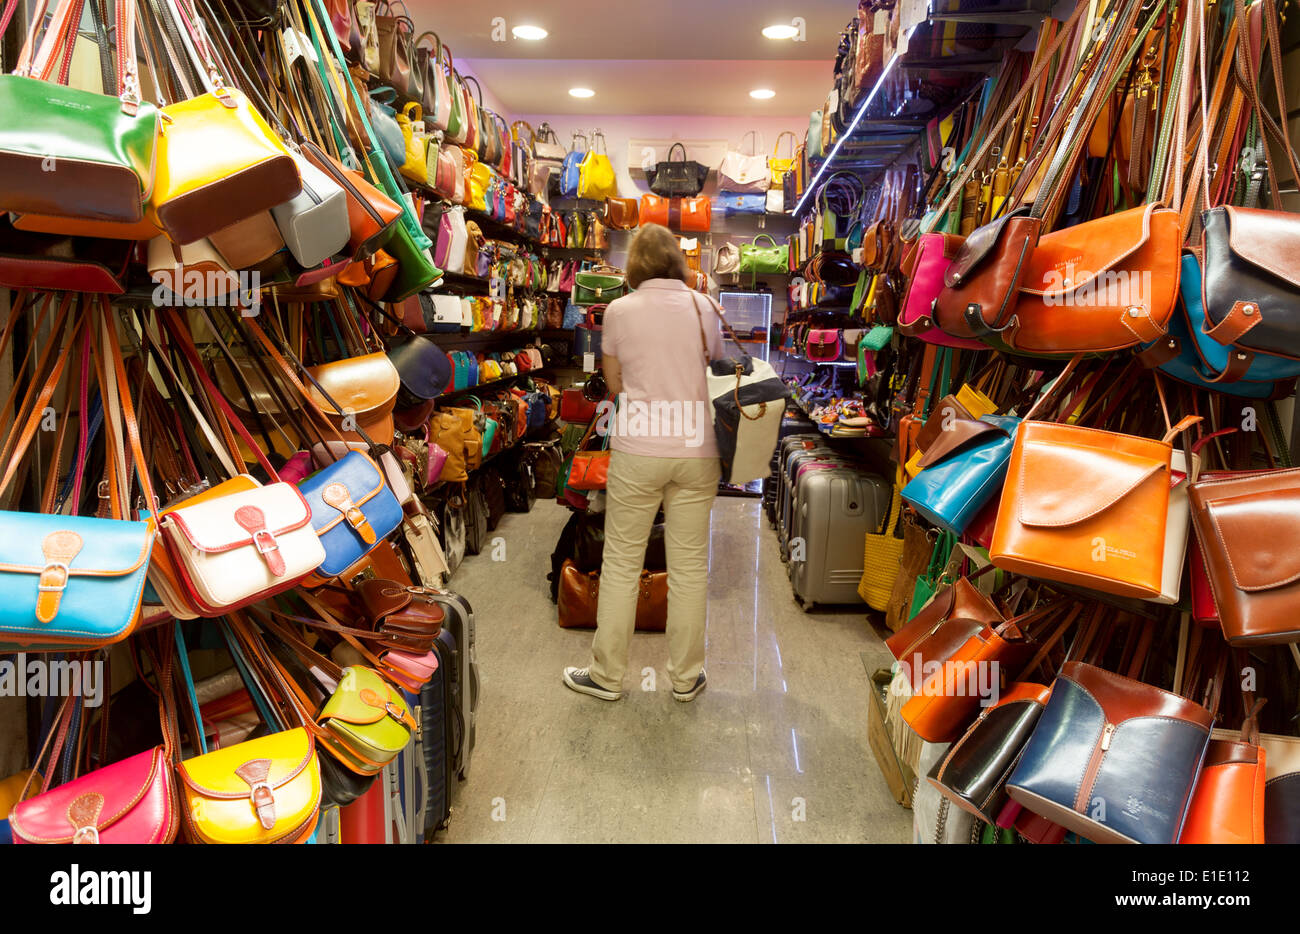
pixel 655 254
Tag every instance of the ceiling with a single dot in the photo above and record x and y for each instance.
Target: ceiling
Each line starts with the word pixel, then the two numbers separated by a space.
pixel 701 57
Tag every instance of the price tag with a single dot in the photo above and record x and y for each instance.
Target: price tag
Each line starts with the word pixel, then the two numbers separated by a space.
pixel 589 363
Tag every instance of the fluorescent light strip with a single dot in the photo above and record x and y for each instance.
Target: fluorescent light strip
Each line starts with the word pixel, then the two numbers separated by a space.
pixel 830 157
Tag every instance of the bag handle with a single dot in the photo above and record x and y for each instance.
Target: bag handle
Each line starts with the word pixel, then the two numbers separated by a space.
pixel 673 148
pixel 755 143
pixel 776 149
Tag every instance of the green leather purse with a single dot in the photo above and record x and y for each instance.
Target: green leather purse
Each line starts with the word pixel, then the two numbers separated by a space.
pixel 764 260
pixel 65 152
pixel 367 716
pixel 599 286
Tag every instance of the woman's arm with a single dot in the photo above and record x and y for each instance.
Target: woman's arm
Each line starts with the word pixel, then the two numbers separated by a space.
pixel 613 373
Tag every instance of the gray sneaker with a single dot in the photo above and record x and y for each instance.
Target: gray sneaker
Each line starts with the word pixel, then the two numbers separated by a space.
pixel 688 696
pixel 579 679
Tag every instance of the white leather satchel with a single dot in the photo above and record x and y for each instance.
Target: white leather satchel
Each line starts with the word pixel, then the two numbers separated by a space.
pixel 314 223
pixel 775 201
pixel 236 549
pixel 726 263
pixel 748 174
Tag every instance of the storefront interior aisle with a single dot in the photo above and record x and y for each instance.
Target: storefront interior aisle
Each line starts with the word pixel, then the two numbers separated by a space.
pixel 775 750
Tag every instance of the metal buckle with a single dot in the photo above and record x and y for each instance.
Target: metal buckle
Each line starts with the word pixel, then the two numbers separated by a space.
pixel 265 542
pixel 86 832
pixel 55 565
pixel 260 786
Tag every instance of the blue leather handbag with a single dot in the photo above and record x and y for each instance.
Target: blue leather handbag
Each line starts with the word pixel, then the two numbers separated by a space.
pixel 1112 759
pixel 1191 356
pixel 573 316
pixel 70 580
pixel 960 477
pixel 352 510
pixel 571 174
pixel 734 202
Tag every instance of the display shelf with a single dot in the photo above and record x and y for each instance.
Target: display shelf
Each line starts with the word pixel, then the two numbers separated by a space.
pixel 493 383
pixel 464 340
pixel 458 280
pixel 938 62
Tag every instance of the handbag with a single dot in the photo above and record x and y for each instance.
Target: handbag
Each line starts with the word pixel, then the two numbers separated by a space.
pixel 1088 763
pixel 383 118
pixel 1244 543
pixel 571 169
pixel 972 774
pixel 924 265
pixel 823 345
pixel 726 263
pixel 764 260
pixel 962 470
pixel 437 91
pixel 415 161
pixel 599 285
pixel 194 273
pixel 396 48
pixel 688 214
pixel 218 162
pixel 596 179
pixel 621 213
pixel 579 595
pixel 748 174
pixel 315 223
pixel 352 511
pixel 881 558
pixel 940 628
pixel 452 240
pixel 358 391
pixel 676 178
pixel 779 167
pixel 264 790
pixel 106 153
pixel 1053 532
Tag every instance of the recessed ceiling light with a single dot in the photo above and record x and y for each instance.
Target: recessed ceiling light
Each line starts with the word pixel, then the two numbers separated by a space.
pixel 581 92
pixel 780 31
pixel 531 33
pixel 762 94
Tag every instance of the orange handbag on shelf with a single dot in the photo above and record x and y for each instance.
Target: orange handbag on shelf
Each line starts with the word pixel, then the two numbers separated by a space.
pixel 677 213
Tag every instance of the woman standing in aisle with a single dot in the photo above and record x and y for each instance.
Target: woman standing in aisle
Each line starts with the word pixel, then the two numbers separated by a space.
pixel 654 346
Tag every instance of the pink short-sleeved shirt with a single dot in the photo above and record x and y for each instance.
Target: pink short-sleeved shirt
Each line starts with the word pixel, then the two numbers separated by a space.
pixel 654 333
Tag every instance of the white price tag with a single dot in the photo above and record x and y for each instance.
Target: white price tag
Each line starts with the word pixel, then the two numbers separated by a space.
pixel 589 363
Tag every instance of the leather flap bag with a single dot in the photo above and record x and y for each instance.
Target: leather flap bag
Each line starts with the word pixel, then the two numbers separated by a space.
pixel 130 801
pixel 241 545
pixel 265 790
pixel 599 286
pixel 365 388
pixel 1248 542
pixel 941 627
pixel 367 715
pixel 1095 744
pixel 621 213
pixel 352 511
pixel 745 173
pixel 823 345
pixel 963 470
pixel 925 264
pixel 422 368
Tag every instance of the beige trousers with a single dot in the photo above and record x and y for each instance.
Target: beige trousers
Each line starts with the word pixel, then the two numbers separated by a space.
pixel 636 486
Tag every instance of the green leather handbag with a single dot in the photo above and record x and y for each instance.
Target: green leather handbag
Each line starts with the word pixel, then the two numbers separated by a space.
pixel 65 152
pixel 599 286
pixel 368 717
pixel 764 260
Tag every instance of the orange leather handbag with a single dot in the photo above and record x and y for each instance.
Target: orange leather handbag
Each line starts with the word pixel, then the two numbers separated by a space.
pixel 579 595
pixel 1228 804
pixel 1105 529
pixel 677 213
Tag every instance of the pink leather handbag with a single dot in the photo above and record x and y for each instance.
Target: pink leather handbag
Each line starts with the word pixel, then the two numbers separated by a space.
pixel 924 265
pixel 823 346
pixel 129 801
pixel 437 456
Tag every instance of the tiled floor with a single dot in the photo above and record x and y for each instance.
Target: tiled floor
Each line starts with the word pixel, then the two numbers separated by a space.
pixel 775 750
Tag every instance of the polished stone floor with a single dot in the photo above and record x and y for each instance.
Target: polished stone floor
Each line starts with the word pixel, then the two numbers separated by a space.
pixel 774 751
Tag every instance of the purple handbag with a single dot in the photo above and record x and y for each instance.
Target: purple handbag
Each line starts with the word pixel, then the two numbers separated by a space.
pixel 437 456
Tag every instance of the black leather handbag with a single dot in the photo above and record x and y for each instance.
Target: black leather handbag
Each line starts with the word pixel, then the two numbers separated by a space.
pixel 677 178
pixel 422 367
pixel 973 772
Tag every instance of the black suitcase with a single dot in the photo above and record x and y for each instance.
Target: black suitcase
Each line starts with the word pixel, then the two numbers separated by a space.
pixel 458 625
pixel 436 740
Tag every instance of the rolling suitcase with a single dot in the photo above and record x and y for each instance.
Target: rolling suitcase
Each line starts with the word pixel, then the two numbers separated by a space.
pixel 412 778
pixel 834 509
pixel 458 620
pixel 797 461
pixel 436 742
pixel 788 448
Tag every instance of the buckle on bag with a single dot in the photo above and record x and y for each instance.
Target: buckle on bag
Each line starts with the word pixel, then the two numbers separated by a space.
pixel 86 835
pixel 63 580
pixel 265 542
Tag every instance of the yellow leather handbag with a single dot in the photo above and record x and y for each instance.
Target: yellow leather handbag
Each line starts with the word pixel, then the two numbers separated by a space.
pixel 416 165
pixel 779 166
pixel 218 162
pixel 480 177
pixel 265 790
pixel 596 179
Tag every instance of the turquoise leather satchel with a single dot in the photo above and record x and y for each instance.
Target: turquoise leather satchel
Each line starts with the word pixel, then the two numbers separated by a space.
pixel 963 470
pixel 70 580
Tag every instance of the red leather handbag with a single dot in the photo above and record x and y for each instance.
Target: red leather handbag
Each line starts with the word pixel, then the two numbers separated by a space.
pixel 576 408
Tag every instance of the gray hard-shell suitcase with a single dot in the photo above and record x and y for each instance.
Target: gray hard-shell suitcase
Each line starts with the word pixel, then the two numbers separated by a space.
pixel 799 459
pixel 787 449
pixel 834 509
